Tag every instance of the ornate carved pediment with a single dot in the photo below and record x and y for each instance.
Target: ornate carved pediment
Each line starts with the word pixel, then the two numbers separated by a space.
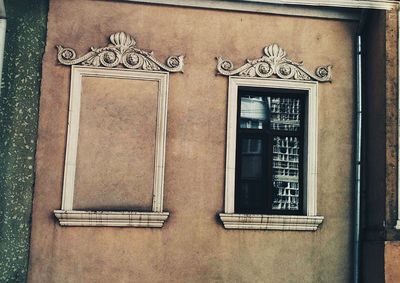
pixel 274 64
pixel 121 51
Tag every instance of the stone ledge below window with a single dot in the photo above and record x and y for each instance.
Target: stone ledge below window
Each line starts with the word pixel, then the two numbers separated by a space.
pixel 111 218
pixel 270 222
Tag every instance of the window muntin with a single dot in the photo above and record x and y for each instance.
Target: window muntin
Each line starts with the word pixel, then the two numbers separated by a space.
pixel 269 157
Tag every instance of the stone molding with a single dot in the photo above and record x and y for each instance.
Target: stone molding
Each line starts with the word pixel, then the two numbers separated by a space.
pixel 111 218
pixel 67 216
pixel 362 4
pixel 274 64
pixel 122 51
pixel 270 222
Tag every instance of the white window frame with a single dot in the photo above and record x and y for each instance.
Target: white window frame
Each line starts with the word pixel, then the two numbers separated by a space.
pixel 67 216
pixel 308 222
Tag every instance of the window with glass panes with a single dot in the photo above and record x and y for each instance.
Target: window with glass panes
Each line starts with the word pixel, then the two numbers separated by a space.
pixel 269 151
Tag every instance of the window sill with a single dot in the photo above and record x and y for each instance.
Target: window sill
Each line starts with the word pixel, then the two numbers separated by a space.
pixel 270 222
pixel 111 218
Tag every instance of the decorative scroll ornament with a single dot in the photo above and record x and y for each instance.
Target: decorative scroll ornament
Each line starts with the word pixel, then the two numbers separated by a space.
pixel 274 63
pixel 121 51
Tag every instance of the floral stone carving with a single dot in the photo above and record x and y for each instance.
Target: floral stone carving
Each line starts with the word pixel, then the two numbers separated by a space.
pixel 274 63
pixel 121 51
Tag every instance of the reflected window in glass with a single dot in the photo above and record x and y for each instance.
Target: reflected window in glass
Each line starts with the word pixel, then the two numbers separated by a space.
pixel 269 152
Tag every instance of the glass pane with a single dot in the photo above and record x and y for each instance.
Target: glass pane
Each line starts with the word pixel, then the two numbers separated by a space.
pixel 268 182
pixel 251 191
pixel 250 196
pixel 251 158
pixel 285 179
pixel 254 111
pixel 285 114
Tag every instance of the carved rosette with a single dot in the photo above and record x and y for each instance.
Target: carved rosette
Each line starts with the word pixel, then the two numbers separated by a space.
pixel 121 51
pixel 274 64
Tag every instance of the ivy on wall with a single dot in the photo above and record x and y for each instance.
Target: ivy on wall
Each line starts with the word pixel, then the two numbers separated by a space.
pixel 19 103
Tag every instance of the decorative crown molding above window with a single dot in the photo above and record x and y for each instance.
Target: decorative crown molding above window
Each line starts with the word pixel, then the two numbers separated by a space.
pixel 121 51
pixel 274 63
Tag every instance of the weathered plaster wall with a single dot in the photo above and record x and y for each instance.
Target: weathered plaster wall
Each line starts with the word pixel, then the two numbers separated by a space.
pixel 392 262
pixel 25 40
pixel 115 158
pixel 392 244
pixel 193 246
pixel 391 28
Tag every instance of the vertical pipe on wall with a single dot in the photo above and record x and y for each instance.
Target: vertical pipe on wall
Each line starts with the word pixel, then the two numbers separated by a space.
pixel 357 187
pixel 3 24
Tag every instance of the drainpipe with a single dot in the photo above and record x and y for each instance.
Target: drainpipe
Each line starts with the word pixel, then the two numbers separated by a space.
pixel 3 23
pixel 358 159
pixel 357 185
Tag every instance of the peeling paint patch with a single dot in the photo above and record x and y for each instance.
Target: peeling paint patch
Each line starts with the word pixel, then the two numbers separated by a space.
pixel 19 100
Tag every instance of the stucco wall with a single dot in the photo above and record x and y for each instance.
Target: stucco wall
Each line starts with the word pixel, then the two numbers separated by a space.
pixel 193 246
pixel 392 262
pixel 115 158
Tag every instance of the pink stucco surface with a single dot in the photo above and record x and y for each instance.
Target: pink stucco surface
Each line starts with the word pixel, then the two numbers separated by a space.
pixel 193 246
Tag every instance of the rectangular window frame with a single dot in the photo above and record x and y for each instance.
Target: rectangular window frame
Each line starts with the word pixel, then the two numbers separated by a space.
pixel 67 216
pixel 307 222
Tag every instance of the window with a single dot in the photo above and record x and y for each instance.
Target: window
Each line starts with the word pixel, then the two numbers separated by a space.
pixel 271 155
pixel 114 175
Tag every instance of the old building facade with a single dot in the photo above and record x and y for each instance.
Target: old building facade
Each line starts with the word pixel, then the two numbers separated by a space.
pixel 209 141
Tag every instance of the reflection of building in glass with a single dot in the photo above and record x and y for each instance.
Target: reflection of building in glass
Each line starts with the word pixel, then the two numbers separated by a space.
pixel 285 114
pixel 254 111
pixel 279 114
pixel 251 146
pixel 251 159
pixel 285 173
